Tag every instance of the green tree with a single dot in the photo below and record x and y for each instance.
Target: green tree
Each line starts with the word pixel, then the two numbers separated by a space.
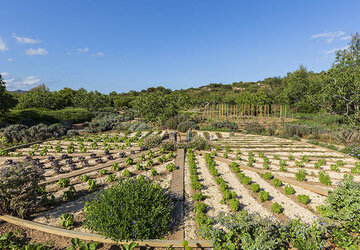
pixel 40 97
pixel 7 100
pixel 340 94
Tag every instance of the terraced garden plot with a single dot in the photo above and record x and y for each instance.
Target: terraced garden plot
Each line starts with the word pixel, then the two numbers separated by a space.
pixel 72 173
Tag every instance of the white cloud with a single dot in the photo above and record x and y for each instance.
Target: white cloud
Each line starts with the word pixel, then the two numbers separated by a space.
pixel 10 59
pixel 100 53
pixel 25 83
pixel 334 50
pixel 3 46
pixel 30 80
pixel 329 35
pixel 38 51
pixel 345 38
pixel 68 53
pixel 82 50
pixel 4 74
pixel 25 40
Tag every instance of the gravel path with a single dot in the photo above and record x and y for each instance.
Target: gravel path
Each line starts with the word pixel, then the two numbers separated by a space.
pixel 190 224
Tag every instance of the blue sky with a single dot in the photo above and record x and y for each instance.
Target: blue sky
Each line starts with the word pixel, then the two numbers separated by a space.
pixel 117 45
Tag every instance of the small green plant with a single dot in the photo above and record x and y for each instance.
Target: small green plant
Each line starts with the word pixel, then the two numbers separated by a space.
pixel 103 171
pixel 111 178
pixel 303 198
pixel 130 246
pixel 171 167
pixel 282 168
pixel 129 161
pixel 289 190
pixel 63 182
pixel 335 167
pixel 84 178
pixel 276 208
pixel 126 173
pixel 267 176
pixel 356 169
pixel 67 220
pixel 277 182
pixel 263 196
pixel 301 175
pixel 139 166
pixel 255 187
pixel 170 155
pixel 234 204
pixel 324 178
pixel 198 196
pixel 153 172
pixel 69 194
pixel 186 245
pixel 266 166
pixel 200 207
pixel 225 155
pixel 291 157
pixel 276 157
pixel 77 244
pixel 150 163
pixel 92 185
pixel 340 163
pixel 305 158
pixel 299 164
pixel 142 157
pixel 115 166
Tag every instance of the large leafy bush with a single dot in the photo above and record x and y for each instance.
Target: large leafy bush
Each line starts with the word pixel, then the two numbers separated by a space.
pixel 18 185
pixel 132 209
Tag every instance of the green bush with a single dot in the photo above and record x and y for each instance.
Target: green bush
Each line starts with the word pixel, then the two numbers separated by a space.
pixel 301 175
pixel 324 178
pixel 255 187
pixel 74 115
pixel 267 176
pixel 276 208
pixel 263 196
pixel 234 204
pixel 200 207
pixel 152 141
pixel 289 190
pixel 198 196
pixel 133 209
pixel 303 198
pixel 186 125
pixel 277 182
pixel 18 189
pixel 67 220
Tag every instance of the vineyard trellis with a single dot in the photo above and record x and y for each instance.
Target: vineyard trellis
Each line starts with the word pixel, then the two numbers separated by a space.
pixel 245 112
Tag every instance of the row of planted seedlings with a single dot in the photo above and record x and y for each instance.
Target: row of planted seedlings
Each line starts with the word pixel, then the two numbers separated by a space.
pixel 256 190
pixel 82 146
pixel 317 172
pixel 229 197
pixel 68 189
pixel 200 207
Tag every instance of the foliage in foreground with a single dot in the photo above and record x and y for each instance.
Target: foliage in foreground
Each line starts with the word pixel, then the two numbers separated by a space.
pixel 18 185
pixel 131 209
pixel 251 231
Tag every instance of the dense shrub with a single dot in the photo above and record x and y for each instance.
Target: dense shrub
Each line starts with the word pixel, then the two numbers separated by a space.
pixel 198 143
pixel 18 185
pixel 173 122
pixel 133 209
pixel 152 141
pixel 231 126
pixel 186 125
pixel 138 127
pixel 255 128
pixel 300 130
pixel 105 121
pixel 74 115
pixel 21 133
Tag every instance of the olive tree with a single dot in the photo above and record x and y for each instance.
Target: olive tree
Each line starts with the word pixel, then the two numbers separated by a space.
pixel 340 94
